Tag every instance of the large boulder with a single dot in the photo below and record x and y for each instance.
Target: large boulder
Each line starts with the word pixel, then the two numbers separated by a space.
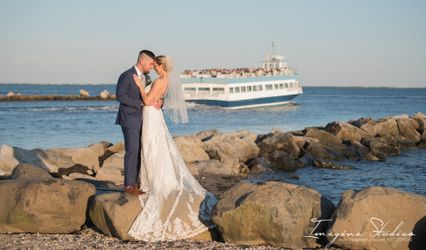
pixel 345 131
pixel 382 146
pixel 33 201
pixel 114 213
pixel 232 149
pixel 279 141
pixel 385 126
pixel 86 156
pixel 379 218
pixel 191 149
pixel 408 131
pixel 8 160
pixel 323 136
pixel 284 161
pixel 56 161
pixel 239 145
pixel 274 213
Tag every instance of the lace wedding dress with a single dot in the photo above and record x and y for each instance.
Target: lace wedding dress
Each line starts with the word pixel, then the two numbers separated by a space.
pixel 176 206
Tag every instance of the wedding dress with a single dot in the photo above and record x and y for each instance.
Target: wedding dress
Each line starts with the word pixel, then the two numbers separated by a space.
pixel 175 206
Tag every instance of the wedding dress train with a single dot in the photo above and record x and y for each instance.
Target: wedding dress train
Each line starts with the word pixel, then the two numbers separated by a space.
pixel 176 206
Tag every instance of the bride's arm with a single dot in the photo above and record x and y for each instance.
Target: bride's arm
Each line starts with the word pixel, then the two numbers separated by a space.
pixel 156 92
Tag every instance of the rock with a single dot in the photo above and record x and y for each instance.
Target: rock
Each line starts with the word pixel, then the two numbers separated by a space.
pixel 329 165
pixel 114 213
pixel 191 149
pixel 55 158
pixel 421 120
pixel 112 169
pixel 7 160
pixel 285 142
pixel 345 131
pixel 247 214
pixel 104 94
pixel 59 161
pixel 32 201
pixel 408 134
pixel 374 211
pixel 232 149
pixel 259 165
pixel 284 161
pixel 381 127
pixel 84 93
pixel 323 136
pixel 211 167
pixel 360 150
pixel 382 146
pixel 321 151
pixel 10 94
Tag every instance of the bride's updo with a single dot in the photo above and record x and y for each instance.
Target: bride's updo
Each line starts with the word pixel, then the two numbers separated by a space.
pixel 165 61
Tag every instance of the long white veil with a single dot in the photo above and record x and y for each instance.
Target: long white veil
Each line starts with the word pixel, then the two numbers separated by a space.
pixel 174 101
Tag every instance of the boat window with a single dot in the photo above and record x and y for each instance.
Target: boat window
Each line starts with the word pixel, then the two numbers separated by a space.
pixel 243 89
pixel 237 89
pixel 291 85
pixel 204 90
pixel 248 88
pixel 276 85
pixel 218 90
pixel 281 86
pixel 189 90
pixel 255 88
pixel 260 87
pixel 231 90
pixel 268 87
pixel 286 85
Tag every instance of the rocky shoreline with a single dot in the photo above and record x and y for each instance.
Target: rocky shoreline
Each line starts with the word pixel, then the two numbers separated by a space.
pixel 80 187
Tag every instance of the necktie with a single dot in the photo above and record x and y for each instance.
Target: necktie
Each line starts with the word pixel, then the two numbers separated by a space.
pixel 147 79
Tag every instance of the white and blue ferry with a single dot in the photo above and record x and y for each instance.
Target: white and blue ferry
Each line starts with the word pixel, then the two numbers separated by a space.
pixel 273 84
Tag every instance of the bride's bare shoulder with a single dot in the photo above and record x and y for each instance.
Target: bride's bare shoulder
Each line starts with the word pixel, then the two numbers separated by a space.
pixel 161 81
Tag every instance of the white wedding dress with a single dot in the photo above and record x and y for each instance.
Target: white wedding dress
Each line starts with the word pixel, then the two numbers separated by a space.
pixel 176 206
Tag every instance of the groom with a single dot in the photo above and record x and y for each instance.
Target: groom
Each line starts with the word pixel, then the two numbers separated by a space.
pixel 129 117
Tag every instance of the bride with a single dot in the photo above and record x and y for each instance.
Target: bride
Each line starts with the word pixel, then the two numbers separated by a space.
pixel 175 205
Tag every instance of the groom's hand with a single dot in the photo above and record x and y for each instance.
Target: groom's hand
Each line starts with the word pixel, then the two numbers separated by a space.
pixel 158 104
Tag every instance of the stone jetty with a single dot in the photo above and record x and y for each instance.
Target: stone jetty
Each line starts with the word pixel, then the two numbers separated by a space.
pixel 83 95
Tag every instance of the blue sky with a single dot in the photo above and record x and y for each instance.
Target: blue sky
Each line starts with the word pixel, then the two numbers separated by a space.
pixel 333 43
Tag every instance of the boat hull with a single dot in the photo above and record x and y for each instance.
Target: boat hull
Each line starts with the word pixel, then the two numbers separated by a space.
pixel 248 103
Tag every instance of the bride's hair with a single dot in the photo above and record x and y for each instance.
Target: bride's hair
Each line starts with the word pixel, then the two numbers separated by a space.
pixel 165 61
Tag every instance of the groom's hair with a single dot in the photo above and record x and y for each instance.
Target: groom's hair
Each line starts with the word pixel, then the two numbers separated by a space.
pixel 147 53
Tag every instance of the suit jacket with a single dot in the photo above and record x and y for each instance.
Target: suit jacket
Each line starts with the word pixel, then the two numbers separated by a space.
pixel 127 93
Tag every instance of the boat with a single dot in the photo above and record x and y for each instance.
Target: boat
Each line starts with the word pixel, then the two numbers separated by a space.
pixel 272 84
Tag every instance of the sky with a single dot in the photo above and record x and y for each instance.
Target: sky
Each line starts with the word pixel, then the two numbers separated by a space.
pixel 328 42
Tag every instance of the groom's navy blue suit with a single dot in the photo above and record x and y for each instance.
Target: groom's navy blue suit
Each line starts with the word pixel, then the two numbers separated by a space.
pixel 129 117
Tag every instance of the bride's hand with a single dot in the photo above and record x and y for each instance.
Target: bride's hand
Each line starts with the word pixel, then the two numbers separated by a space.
pixel 137 80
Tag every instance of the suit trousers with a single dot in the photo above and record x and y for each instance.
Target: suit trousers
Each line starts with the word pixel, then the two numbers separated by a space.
pixel 132 157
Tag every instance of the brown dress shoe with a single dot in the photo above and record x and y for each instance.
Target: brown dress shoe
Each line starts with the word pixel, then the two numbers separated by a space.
pixel 133 190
